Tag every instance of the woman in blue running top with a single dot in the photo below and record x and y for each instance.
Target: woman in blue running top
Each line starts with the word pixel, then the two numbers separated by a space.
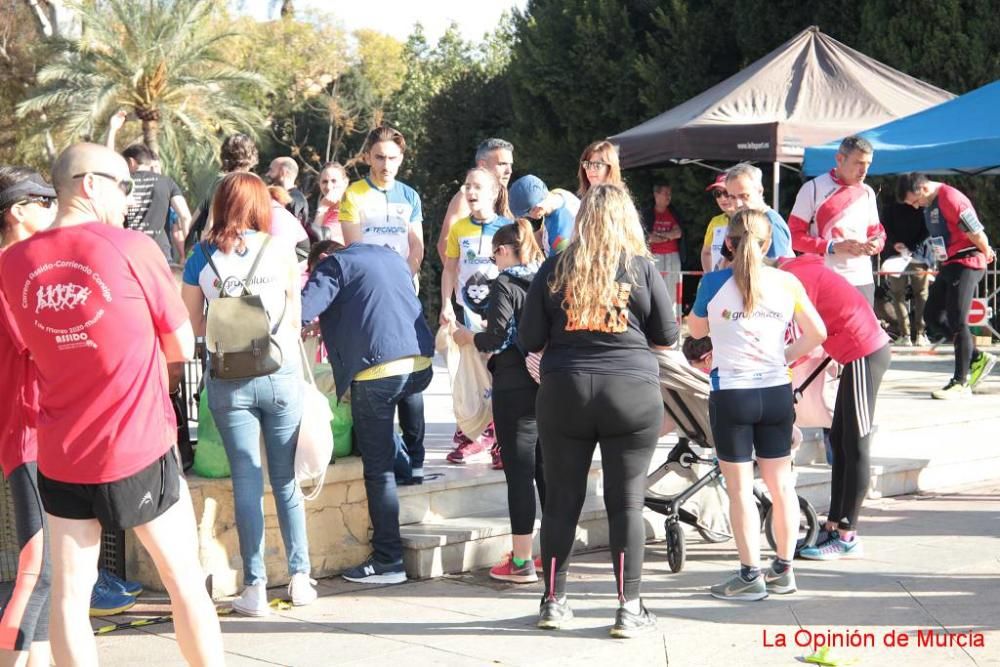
pixel 748 309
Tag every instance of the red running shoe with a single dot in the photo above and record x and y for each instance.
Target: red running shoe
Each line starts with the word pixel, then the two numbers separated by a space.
pixel 464 452
pixel 505 570
pixel 495 454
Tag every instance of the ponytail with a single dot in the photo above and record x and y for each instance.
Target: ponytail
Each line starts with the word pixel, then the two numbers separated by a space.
pixel 521 236
pixel 749 233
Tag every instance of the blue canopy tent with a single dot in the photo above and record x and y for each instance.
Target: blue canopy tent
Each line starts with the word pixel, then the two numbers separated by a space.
pixel 960 136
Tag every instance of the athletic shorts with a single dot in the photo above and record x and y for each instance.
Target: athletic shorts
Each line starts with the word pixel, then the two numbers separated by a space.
pixel 125 503
pixel 749 420
pixel 26 608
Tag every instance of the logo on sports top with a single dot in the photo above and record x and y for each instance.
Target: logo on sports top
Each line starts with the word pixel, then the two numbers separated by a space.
pixel 69 305
pixel 734 315
pixel 65 296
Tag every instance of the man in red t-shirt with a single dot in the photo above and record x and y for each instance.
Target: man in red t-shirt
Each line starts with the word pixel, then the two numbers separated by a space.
pixel 963 251
pixel 663 235
pixel 97 308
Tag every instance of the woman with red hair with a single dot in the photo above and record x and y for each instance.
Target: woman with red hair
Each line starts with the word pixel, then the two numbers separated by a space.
pixel 271 404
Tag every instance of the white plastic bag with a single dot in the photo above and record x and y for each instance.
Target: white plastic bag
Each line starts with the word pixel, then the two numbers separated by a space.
pixel 315 445
pixel 471 384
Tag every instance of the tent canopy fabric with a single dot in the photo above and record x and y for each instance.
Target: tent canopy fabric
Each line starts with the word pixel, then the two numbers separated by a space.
pixel 807 91
pixel 959 136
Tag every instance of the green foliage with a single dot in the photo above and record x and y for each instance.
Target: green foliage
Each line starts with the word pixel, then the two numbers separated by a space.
pixel 166 61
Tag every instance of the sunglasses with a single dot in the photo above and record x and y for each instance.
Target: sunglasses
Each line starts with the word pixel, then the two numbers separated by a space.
pixel 589 165
pixel 44 202
pixel 493 257
pixel 720 194
pixel 125 185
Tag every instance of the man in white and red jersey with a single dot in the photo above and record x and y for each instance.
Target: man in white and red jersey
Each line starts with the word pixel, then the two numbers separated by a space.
pixel 97 308
pixel 836 215
pixel 963 251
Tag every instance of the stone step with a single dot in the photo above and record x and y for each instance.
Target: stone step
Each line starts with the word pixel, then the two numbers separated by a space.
pixel 465 491
pixel 450 546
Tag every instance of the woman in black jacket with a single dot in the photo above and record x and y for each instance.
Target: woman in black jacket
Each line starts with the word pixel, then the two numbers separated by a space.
pixel 596 309
pixel 517 255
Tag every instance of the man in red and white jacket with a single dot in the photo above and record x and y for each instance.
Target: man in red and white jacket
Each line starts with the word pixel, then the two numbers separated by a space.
pixel 836 215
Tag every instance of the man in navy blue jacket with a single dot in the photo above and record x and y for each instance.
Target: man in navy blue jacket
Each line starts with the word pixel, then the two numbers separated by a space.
pixel 381 348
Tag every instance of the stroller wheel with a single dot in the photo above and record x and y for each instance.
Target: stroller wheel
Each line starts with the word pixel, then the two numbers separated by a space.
pixel 807 529
pixel 675 546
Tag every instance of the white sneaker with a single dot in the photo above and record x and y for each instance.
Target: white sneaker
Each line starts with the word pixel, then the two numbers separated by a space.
pixel 300 589
pixel 922 341
pixel 253 601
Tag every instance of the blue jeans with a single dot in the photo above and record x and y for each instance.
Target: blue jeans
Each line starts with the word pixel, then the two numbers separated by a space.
pixel 373 405
pixel 243 409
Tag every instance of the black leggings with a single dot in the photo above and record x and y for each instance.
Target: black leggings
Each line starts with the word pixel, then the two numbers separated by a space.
pixel 517 433
pixel 575 412
pixel 851 435
pixel 26 609
pixel 948 308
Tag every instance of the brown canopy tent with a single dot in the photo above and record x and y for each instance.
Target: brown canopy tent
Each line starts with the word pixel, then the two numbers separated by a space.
pixel 808 91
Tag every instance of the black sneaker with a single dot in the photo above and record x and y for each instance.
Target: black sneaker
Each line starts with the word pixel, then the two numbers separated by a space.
pixel 374 572
pixel 628 625
pixel 553 614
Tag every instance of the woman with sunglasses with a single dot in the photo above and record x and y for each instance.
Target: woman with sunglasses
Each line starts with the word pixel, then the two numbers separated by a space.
pixel 715 233
pixel 598 164
pixel 517 256
pixel 469 273
pixel 596 309
pixel 26 207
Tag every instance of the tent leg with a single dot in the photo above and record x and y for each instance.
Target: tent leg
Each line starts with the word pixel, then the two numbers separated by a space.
pixel 775 185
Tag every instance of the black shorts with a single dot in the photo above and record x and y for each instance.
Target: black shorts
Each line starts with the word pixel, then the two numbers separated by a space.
pixel 125 503
pixel 748 420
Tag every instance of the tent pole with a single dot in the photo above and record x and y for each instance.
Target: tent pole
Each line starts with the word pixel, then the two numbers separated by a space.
pixel 775 184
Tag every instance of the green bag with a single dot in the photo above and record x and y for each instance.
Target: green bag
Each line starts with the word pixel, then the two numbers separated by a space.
pixel 343 427
pixel 210 458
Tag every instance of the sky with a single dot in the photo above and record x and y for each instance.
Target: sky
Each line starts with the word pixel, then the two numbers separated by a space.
pixel 396 17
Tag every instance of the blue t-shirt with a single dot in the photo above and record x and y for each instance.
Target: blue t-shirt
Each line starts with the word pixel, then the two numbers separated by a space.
pixel 781 237
pixel 558 230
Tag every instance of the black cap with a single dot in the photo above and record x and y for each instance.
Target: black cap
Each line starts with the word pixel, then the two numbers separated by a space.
pixel 33 186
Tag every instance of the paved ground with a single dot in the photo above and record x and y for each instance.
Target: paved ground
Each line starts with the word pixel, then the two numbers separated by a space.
pixel 932 566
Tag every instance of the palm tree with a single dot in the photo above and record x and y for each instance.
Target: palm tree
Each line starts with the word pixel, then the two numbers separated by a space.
pixel 164 60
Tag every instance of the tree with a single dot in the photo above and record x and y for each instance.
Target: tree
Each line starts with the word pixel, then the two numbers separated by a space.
pixel 163 60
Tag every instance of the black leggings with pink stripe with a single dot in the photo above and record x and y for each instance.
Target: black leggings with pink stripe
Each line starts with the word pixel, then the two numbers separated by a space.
pixel 26 611
pixel 575 412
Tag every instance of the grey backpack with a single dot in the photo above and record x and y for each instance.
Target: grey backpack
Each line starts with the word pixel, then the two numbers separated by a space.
pixel 238 333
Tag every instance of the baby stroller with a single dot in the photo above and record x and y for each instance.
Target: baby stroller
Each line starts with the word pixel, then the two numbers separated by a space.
pixel 685 398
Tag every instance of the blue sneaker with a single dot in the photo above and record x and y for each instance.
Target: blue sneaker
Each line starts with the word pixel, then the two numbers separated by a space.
pixel 106 601
pixel 834 548
pixel 116 583
pixel 374 572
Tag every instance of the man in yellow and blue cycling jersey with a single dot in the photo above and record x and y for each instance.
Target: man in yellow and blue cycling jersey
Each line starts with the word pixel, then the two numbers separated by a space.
pixel 380 210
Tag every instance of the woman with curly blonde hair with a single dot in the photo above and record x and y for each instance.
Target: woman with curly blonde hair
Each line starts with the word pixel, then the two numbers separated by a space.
pixel 596 309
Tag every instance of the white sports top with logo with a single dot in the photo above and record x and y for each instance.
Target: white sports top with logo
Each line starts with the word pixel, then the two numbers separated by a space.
pixel 270 282
pixel 749 348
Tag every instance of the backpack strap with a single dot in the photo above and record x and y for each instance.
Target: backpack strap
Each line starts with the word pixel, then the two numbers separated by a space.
pixel 253 267
pixel 256 262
